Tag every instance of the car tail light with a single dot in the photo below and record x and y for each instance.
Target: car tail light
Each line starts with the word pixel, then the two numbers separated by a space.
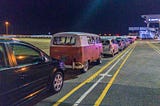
pixel 110 47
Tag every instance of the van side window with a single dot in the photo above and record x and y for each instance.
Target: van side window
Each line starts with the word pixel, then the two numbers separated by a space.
pixel 73 41
pixel 98 40
pixel 91 40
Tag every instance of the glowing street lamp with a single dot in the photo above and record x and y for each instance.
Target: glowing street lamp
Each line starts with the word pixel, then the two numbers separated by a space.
pixel 6 25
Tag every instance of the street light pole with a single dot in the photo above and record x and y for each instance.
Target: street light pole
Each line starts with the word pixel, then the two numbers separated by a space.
pixel 6 25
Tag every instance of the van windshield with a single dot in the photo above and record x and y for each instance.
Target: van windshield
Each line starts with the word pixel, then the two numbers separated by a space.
pixel 64 40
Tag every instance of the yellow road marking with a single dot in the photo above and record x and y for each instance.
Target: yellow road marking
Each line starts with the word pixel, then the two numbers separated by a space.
pixel 103 94
pixel 154 47
pixel 88 79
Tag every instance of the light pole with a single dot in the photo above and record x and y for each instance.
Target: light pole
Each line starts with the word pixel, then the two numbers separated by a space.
pixel 6 25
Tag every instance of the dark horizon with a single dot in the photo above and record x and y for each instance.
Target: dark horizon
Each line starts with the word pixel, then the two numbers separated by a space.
pixel 94 16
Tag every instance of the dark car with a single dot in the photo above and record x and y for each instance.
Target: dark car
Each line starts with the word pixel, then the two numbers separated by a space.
pixel 25 70
pixel 131 39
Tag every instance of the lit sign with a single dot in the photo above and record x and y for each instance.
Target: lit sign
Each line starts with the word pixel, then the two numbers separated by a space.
pixel 154 19
pixel 133 28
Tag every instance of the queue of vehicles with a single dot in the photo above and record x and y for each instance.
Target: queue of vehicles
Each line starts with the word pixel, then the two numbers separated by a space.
pixel 113 44
pixel 25 69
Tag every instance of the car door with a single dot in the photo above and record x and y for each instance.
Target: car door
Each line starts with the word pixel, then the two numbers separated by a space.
pixel 33 68
pixel 9 79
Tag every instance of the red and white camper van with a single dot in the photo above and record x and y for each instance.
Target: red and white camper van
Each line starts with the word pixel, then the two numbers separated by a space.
pixel 76 49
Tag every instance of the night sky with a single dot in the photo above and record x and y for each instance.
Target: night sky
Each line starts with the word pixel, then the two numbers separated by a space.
pixel 94 16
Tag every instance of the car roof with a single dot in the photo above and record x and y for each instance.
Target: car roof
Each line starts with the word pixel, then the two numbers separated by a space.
pixel 11 40
pixel 75 33
pixel 106 38
pixel 7 39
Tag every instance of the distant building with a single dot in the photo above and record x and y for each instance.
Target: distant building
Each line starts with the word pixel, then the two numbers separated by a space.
pixel 152 29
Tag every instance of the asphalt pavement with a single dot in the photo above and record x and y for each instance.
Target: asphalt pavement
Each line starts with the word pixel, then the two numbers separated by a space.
pixel 131 78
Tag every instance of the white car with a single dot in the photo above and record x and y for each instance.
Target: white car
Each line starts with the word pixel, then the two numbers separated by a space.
pixel 110 46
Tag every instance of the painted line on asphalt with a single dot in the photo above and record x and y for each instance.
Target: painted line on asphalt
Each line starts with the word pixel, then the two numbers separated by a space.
pixel 105 91
pixel 88 79
pixel 99 80
pixel 154 47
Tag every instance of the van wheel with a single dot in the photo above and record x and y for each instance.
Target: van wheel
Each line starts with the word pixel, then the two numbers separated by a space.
pixel 56 83
pixel 99 60
pixel 85 68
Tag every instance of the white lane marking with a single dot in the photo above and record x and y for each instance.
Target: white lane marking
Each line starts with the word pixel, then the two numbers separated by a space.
pixel 99 80
pixel 155 48
pixel 108 75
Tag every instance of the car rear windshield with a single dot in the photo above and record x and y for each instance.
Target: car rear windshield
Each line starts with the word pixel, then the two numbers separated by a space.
pixel 105 42
pixel 64 40
pixel 118 40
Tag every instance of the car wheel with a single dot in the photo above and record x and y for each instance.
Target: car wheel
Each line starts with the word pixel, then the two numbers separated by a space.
pixel 85 68
pixel 56 82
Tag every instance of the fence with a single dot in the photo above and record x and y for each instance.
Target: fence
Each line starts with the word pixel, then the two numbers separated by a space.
pixel 28 36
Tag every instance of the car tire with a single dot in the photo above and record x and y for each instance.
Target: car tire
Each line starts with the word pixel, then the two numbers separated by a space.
pixel 56 82
pixel 85 68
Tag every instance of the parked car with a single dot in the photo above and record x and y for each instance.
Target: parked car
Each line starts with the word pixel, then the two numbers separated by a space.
pixel 76 49
pixel 127 43
pixel 121 44
pixel 131 39
pixel 25 70
pixel 110 46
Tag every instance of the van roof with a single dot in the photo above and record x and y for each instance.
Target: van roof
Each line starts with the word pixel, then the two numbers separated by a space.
pixel 76 33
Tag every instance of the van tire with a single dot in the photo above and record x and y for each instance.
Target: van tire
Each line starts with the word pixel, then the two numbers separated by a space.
pixel 85 68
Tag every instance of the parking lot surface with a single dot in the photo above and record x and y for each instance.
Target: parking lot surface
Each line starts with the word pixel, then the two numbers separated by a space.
pixel 131 78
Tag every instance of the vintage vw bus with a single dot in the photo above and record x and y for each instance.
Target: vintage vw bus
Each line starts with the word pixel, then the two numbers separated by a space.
pixel 76 49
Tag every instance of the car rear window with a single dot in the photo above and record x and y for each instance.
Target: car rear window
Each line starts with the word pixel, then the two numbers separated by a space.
pixel 105 42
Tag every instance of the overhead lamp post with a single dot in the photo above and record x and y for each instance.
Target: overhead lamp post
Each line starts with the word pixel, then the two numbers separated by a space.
pixel 6 25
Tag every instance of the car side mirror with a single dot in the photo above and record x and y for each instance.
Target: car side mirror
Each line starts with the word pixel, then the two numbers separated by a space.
pixel 43 59
pixel 40 59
